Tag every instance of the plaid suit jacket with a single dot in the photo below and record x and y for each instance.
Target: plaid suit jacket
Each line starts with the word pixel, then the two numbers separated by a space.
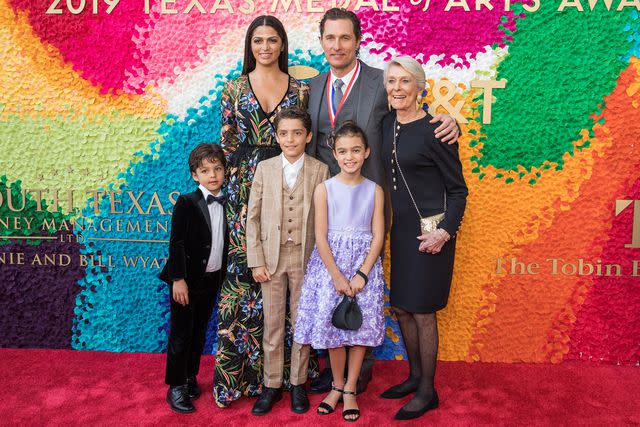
pixel 264 213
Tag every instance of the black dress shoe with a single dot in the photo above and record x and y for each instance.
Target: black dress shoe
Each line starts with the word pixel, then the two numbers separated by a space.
pixel 179 400
pixel 322 384
pixel 267 399
pixel 403 414
pixel 396 392
pixel 194 388
pixel 363 381
pixel 299 399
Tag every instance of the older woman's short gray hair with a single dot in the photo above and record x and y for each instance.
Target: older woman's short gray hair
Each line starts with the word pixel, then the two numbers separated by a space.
pixel 411 66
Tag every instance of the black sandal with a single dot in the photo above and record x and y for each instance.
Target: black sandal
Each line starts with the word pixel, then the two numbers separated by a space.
pixel 347 412
pixel 330 409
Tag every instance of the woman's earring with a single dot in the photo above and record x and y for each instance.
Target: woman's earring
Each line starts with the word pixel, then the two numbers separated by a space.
pixel 418 102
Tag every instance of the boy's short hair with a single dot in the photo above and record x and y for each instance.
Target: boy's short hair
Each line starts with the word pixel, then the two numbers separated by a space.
pixel 294 113
pixel 202 152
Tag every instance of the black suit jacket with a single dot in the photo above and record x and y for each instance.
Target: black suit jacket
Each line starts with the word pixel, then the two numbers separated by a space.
pixel 190 244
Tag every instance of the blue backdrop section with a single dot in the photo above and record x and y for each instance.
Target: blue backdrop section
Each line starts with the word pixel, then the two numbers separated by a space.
pixel 633 28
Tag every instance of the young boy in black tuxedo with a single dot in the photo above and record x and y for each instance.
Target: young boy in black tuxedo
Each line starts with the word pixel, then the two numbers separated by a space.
pixel 194 271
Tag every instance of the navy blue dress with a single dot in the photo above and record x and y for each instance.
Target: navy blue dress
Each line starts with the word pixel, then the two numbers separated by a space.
pixel 420 282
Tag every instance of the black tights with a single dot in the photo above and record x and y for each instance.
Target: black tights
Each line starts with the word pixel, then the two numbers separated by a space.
pixel 420 335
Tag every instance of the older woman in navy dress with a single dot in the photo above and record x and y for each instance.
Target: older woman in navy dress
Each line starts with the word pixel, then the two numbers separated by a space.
pixel 424 179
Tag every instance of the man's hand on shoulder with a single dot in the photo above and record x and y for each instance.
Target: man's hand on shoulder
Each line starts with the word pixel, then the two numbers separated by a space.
pixel 448 131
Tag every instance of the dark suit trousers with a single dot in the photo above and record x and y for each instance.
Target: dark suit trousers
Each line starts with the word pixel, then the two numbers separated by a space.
pixel 189 328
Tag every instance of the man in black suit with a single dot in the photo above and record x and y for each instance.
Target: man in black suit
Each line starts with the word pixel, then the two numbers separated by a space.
pixel 352 90
pixel 194 272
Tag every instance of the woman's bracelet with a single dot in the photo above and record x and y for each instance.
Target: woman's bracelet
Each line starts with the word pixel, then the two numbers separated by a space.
pixel 364 276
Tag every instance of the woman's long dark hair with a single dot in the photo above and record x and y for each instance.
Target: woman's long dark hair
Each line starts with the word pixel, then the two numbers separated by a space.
pixel 250 60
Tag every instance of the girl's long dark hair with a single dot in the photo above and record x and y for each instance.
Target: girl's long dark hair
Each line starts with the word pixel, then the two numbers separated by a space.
pixel 250 60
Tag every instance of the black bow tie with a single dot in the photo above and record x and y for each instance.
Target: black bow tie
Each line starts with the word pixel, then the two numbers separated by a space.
pixel 220 199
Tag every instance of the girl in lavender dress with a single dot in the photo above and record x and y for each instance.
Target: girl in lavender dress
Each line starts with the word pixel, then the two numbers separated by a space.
pixel 349 229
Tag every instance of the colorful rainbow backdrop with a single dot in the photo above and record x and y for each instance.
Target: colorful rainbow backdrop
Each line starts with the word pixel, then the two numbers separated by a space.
pixel 116 102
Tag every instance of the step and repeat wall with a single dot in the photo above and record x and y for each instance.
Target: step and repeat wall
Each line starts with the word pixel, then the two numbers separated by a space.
pixel 102 100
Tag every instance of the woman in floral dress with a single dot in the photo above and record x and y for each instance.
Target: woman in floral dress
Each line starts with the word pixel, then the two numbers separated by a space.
pixel 249 104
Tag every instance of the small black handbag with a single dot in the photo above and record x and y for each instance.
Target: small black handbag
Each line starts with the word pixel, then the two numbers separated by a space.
pixel 347 314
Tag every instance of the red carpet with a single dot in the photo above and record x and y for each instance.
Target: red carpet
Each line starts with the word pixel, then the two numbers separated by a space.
pixel 59 387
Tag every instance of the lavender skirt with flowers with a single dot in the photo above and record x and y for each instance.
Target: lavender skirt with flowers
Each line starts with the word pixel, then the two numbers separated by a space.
pixel 319 297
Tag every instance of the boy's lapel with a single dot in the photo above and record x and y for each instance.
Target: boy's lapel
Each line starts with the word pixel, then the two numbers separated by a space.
pixel 277 180
pixel 204 209
pixel 310 169
pixel 225 246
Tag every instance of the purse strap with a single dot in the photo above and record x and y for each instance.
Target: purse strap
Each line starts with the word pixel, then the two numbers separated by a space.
pixel 396 128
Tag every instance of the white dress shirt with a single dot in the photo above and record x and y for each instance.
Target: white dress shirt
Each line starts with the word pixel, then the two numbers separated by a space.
pixel 216 214
pixel 291 170
pixel 345 79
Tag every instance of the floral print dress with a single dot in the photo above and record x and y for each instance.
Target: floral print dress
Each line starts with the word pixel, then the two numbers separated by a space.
pixel 247 137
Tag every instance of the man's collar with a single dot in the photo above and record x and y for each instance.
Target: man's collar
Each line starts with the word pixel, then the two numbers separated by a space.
pixel 347 77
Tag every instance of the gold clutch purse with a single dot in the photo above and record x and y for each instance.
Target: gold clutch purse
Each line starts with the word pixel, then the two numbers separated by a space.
pixel 427 224
pixel 430 223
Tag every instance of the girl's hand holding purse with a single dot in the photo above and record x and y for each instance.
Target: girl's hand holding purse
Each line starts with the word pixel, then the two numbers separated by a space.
pixel 342 286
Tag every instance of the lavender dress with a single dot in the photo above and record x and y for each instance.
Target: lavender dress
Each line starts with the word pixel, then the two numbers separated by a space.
pixel 350 210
